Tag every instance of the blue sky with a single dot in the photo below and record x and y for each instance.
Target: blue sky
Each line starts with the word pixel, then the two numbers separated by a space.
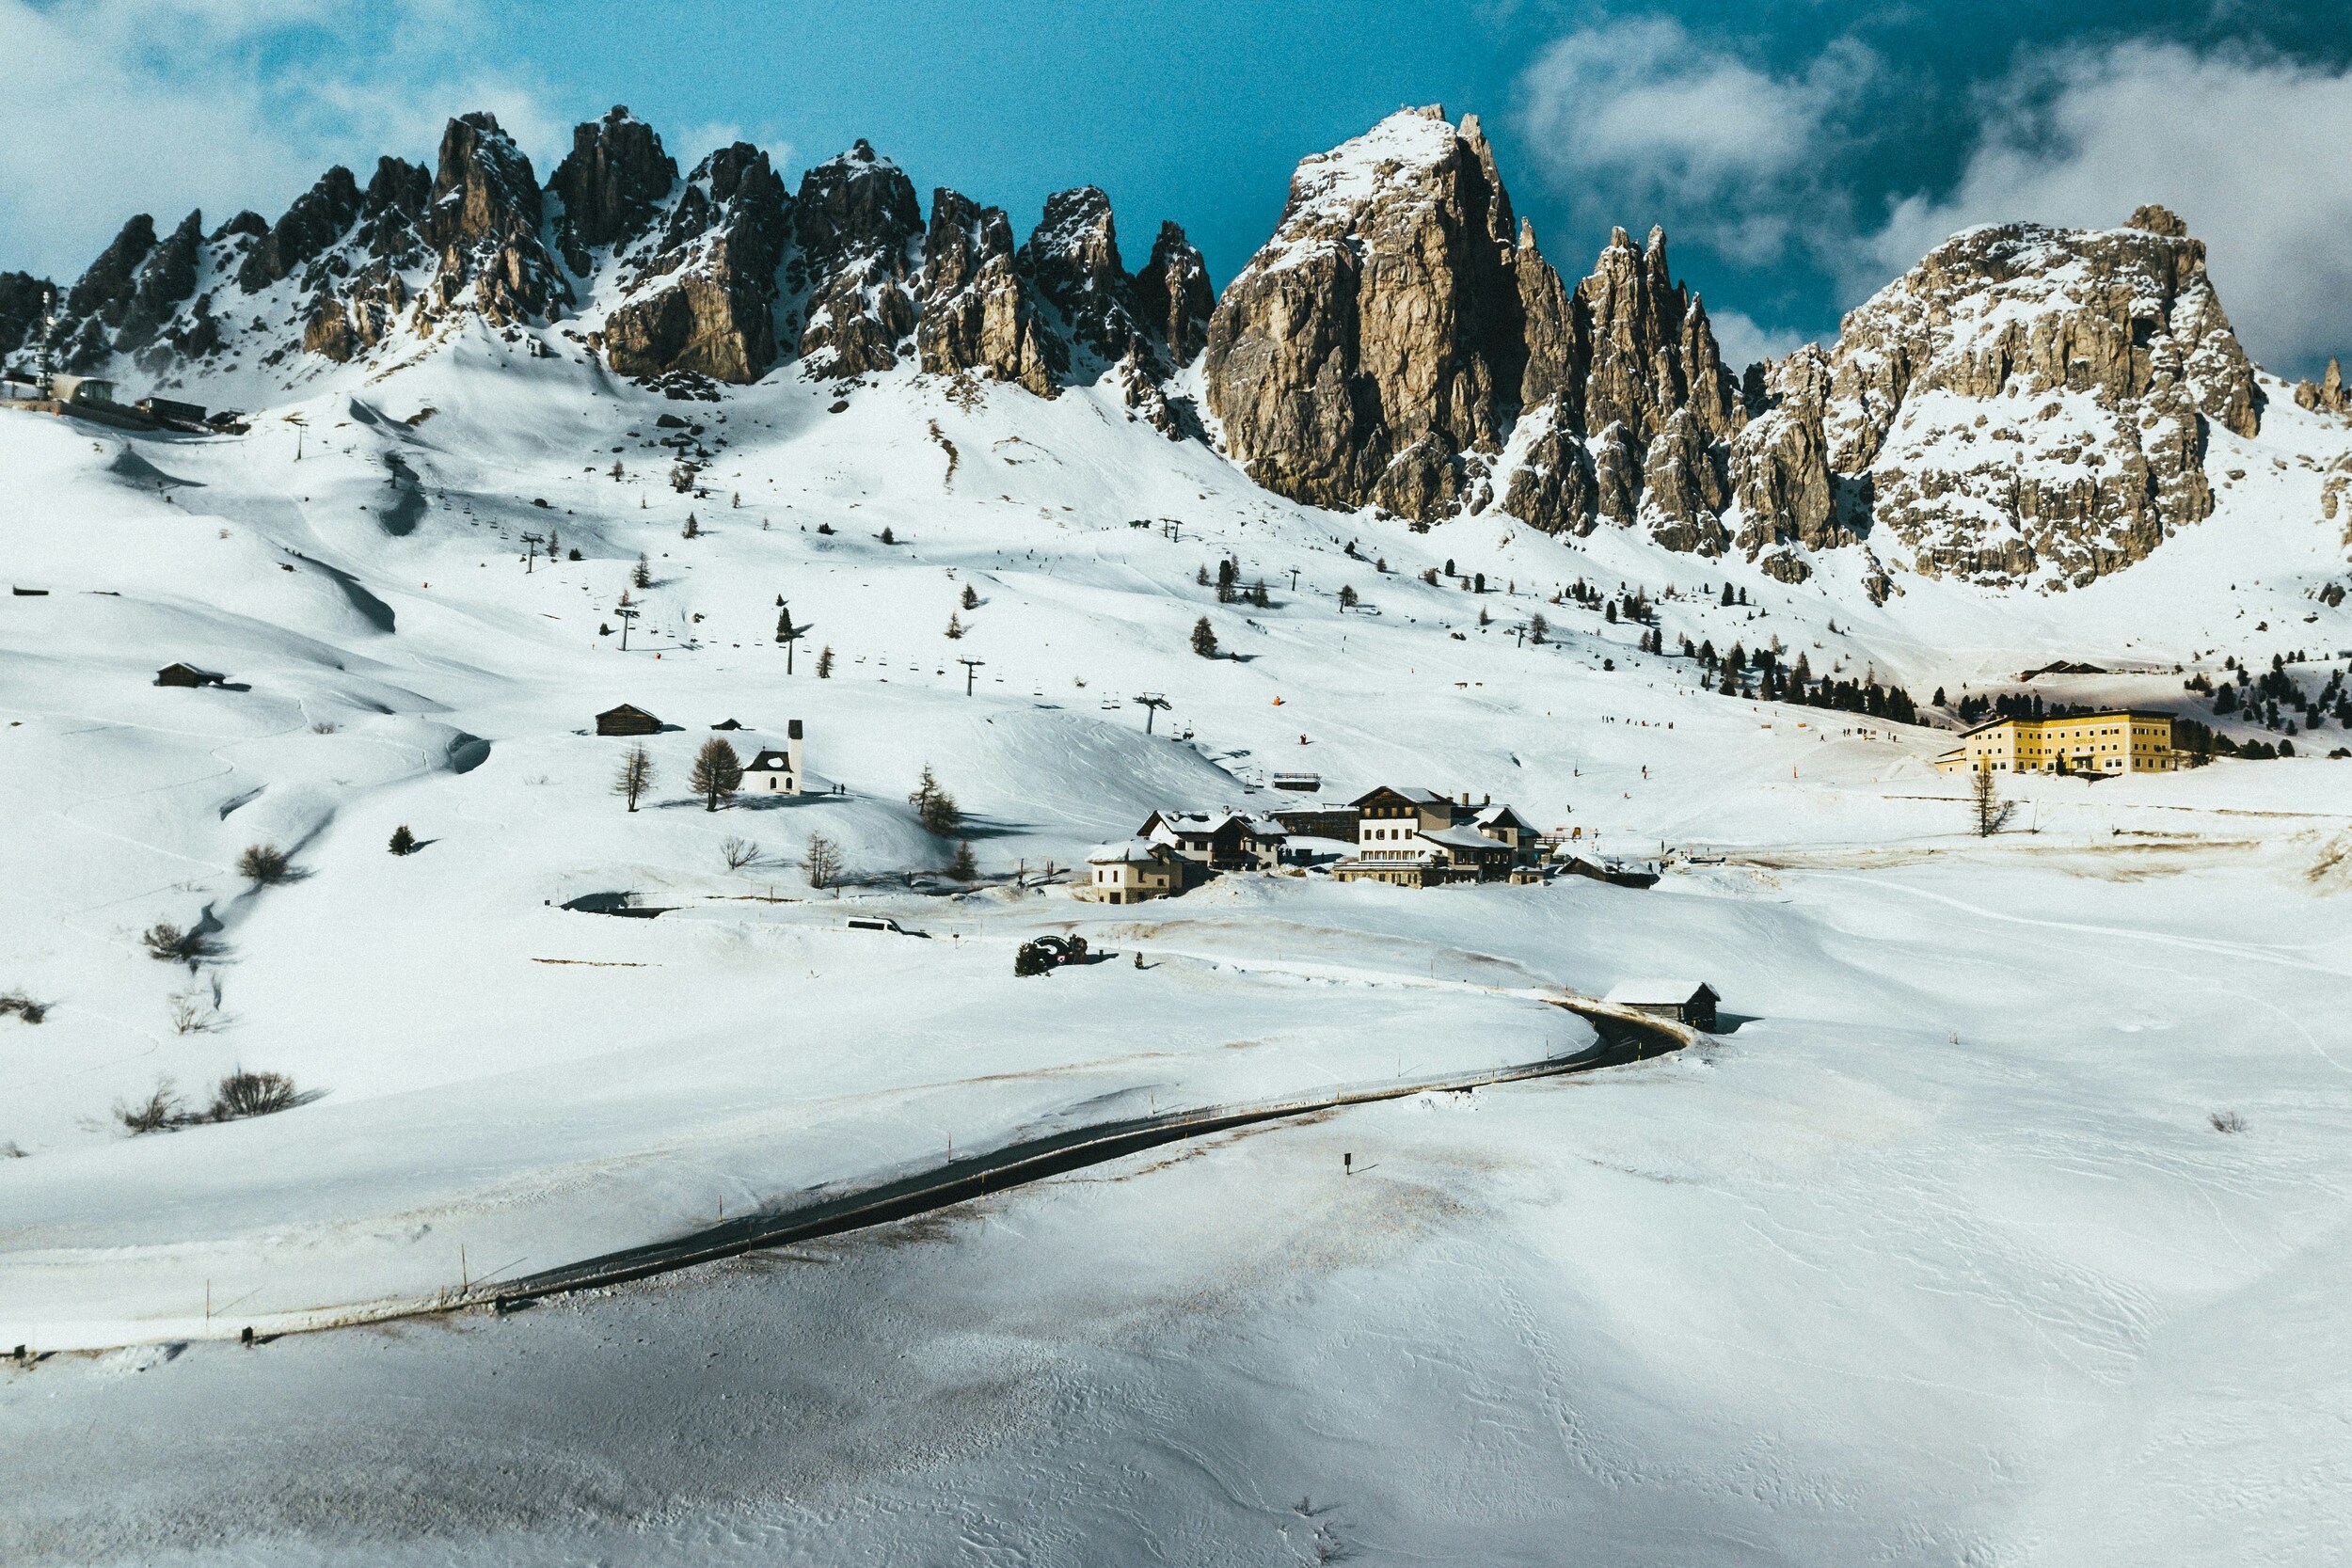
pixel 1799 152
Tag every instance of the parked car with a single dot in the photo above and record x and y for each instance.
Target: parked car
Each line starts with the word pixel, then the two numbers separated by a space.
pixel 878 922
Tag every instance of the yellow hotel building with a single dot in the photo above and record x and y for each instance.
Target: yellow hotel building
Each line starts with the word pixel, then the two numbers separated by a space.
pixel 2120 741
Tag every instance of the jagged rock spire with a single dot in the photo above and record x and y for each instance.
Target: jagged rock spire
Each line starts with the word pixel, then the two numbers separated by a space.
pixel 1172 291
pixel 611 184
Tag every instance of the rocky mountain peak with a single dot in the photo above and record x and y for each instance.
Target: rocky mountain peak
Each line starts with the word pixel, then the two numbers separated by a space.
pixel 484 218
pixel 1072 254
pixel 1379 335
pixel 2030 398
pixel 702 294
pixel 317 219
pixel 611 184
pixel 855 221
pixel 980 312
pixel 1174 293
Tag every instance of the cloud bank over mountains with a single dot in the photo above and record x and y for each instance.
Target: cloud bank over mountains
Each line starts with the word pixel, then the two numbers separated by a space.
pixel 1771 168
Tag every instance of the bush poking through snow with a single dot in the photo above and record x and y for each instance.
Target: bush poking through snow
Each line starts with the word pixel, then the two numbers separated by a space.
pixel 265 865
pixel 963 869
pixel 2227 1121
pixel 159 1112
pixel 245 1094
pixel 172 944
pixel 738 852
pixel 23 1006
pixel 190 1015
pixel 404 842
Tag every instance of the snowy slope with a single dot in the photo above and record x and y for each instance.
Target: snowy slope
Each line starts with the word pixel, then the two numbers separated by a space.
pixel 505 1084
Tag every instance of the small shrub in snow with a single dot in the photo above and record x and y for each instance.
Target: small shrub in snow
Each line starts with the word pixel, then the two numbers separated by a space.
pixel 265 865
pixel 2227 1121
pixel 325 726
pixel 160 1111
pixel 23 1006
pixel 738 852
pixel 251 1094
pixel 190 1015
pixel 404 842
pixel 172 944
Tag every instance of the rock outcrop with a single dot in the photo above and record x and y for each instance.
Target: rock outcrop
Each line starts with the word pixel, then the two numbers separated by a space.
pixel 978 312
pixel 1381 326
pixel 1172 291
pixel 484 222
pixel 855 220
pixel 1779 463
pixel 1073 258
pixel 2030 399
pixel 611 185
pixel 23 300
pixel 2327 394
pixel 318 219
pixel 702 294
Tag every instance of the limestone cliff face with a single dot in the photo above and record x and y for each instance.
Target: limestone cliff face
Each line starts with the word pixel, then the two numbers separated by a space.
pixel 979 313
pixel 484 222
pixel 1174 293
pixel 1381 328
pixel 855 221
pixel 2030 399
pixel 611 185
pixel 1779 466
pixel 1073 256
pixel 702 293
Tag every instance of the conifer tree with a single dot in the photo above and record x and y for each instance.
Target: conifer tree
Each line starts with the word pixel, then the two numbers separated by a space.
pixel 933 806
pixel 963 869
pixel 1204 638
pixel 824 662
pixel 971 598
pixel 717 773
pixel 641 575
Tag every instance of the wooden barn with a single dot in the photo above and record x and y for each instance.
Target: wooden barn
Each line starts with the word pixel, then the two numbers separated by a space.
pixel 186 674
pixel 1690 1002
pixel 626 720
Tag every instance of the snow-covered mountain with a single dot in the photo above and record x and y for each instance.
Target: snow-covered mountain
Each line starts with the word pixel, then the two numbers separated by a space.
pixel 2026 407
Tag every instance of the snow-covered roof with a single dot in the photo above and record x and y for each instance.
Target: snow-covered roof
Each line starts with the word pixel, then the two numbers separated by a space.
pixel 1496 813
pixel 1122 852
pixel 1657 993
pixel 1458 838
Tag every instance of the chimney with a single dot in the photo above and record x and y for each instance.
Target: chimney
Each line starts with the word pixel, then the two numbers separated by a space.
pixel 792 751
pixel 1485 799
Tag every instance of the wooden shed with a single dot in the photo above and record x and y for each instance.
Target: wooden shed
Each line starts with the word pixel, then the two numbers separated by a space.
pixel 1690 1002
pixel 186 674
pixel 626 720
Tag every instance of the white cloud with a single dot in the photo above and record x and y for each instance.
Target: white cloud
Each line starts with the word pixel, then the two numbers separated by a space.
pixel 119 106
pixel 1743 342
pixel 2251 149
pixel 1642 113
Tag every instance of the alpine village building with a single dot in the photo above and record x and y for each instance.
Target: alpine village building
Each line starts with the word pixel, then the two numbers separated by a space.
pixel 2119 741
pixel 1410 837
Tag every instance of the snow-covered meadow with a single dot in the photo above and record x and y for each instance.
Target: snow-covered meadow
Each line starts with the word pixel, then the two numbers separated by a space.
pixel 1942 1254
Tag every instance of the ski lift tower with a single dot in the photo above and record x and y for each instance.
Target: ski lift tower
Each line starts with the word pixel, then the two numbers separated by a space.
pixel 1153 702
